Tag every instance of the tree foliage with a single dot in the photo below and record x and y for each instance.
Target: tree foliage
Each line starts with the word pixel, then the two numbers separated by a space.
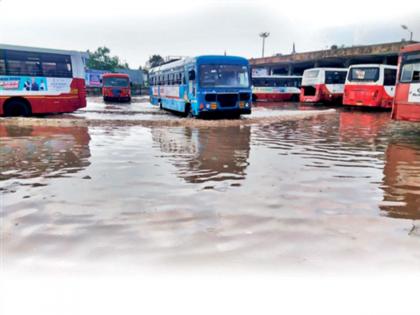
pixel 155 60
pixel 101 59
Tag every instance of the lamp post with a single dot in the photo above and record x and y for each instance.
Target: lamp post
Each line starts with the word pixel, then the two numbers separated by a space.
pixel 404 27
pixel 264 35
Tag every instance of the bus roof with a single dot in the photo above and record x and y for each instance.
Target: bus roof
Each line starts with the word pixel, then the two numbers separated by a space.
pixel 43 50
pixel 328 69
pixel 277 76
pixel 372 65
pixel 410 48
pixel 201 59
pixel 115 75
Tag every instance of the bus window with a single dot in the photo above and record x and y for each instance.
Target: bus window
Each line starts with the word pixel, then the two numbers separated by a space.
pixel 56 66
pixel 410 73
pixel 311 74
pixel 23 63
pixel 390 76
pixel 335 77
pixel 364 74
pixel 224 75
pixel 2 64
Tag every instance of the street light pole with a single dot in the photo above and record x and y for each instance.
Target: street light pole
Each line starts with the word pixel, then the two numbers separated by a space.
pixel 404 27
pixel 264 35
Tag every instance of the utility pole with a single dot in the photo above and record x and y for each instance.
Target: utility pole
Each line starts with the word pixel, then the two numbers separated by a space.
pixel 264 35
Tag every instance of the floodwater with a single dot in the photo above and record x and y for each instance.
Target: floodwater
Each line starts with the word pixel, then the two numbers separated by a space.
pixel 335 190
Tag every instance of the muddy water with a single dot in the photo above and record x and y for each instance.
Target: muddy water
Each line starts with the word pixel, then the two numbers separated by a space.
pixel 326 192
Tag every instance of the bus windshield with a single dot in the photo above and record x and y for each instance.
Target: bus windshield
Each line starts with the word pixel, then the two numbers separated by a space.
pixel 364 74
pixel 410 72
pixel 335 77
pixel 311 74
pixel 115 81
pixel 224 76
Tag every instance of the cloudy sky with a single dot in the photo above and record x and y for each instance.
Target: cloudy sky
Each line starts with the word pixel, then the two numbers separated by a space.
pixel 134 30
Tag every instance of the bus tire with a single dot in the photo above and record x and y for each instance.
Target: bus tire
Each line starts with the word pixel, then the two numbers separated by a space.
pixel 17 107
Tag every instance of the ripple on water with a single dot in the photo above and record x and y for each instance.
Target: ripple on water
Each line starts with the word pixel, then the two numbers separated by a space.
pixel 333 187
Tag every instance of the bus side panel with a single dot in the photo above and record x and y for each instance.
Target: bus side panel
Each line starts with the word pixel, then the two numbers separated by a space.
pixel 405 108
pixel 171 98
pixel 62 103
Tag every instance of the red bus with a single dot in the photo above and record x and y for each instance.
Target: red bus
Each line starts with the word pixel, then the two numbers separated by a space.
pixel 116 87
pixel 371 85
pixel 276 88
pixel 407 92
pixel 40 81
pixel 323 85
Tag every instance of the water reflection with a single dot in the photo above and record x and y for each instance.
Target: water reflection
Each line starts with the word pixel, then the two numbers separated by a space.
pixel 364 128
pixel 48 151
pixel 402 181
pixel 206 154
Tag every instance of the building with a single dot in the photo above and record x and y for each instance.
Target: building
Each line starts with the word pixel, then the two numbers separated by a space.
pixel 295 63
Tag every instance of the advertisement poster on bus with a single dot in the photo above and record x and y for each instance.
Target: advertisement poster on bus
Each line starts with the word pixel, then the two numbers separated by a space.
pixel 10 84
pixel 414 93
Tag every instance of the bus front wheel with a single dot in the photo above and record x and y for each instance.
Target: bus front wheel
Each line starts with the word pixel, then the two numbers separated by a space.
pixel 16 107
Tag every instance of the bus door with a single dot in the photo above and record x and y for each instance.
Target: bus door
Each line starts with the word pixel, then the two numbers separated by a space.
pixel 191 75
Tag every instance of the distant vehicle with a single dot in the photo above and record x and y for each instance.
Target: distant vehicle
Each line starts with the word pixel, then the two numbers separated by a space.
pixel 202 86
pixel 40 81
pixel 371 85
pixel 276 88
pixel 323 85
pixel 407 91
pixel 116 87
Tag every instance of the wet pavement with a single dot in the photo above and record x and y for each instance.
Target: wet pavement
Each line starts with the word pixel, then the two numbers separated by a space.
pixel 291 186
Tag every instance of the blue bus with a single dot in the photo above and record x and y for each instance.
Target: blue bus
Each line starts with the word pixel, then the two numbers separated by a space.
pixel 203 86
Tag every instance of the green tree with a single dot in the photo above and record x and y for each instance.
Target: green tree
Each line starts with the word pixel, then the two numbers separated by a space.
pixel 101 59
pixel 155 60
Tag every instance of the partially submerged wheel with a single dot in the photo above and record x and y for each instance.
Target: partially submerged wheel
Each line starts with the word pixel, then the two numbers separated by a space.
pixel 16 108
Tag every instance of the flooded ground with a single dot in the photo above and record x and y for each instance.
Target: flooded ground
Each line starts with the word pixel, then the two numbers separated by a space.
pixel 288 187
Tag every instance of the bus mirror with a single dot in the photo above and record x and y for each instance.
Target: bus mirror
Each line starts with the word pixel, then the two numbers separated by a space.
pixel 191 75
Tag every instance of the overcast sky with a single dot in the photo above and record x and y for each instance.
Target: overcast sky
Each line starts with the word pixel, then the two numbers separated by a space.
pixel 134 30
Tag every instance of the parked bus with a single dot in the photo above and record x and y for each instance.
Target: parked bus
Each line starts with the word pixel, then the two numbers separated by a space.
pixel 407 91
pixel 116 87
pixel 371 85
pixel 40 81
pixel 323 85
pixel 276 88
pixel 203 86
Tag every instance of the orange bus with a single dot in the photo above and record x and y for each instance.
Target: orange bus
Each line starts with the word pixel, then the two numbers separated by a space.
pixel 407 93
pixel 116 87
